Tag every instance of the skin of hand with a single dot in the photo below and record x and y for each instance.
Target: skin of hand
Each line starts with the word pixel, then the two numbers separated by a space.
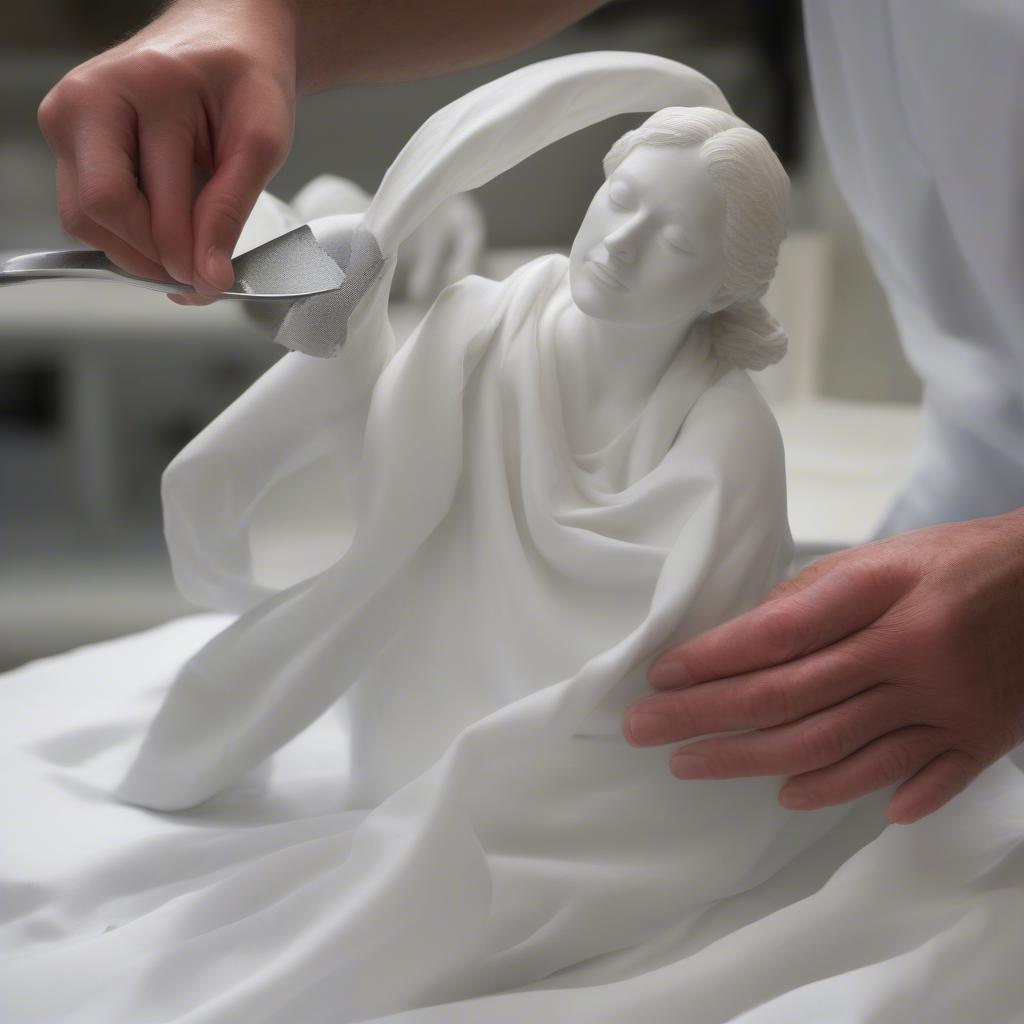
pixel 901 661
pixel 211 84
pixel 205 90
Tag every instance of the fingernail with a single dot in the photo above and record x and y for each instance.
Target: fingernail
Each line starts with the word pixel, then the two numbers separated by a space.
pixel 690 766
pixel 219 271
pixel 668 673
pixel 647 727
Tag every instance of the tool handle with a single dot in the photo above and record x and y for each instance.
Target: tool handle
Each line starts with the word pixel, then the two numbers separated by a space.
pixel 77 264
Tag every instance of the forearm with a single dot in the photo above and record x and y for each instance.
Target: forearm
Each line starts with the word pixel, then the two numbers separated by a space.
pixel 346 41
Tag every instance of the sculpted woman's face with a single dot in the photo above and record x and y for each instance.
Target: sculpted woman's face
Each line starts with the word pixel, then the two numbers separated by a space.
pixel 650 248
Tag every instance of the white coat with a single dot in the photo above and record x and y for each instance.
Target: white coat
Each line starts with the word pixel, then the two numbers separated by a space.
pixel 921 104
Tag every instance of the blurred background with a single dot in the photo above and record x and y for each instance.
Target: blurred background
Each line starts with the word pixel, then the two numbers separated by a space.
pixel 101 385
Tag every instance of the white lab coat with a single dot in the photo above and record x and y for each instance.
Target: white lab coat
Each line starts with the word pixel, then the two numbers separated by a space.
pixel 922 108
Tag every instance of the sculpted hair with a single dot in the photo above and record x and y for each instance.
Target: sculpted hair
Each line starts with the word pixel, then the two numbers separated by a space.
pixel 755 187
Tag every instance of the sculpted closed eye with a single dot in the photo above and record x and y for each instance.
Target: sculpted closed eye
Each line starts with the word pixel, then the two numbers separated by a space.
pixel 620 195
pixel 676 238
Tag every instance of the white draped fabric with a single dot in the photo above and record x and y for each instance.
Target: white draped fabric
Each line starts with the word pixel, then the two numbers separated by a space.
pixel 494 850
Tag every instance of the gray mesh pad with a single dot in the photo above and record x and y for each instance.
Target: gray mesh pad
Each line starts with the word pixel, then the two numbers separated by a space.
pixel 293 262
pixel 317 326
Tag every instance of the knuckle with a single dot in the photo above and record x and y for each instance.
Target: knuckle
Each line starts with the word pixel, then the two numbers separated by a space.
pixel 226 209
pixel 786 633
pixel 72 94
pixel 155 72
pixel 77 224
pixel 684 720
pixel 265 147
pixel 876 571
pixel 74 222
pixel 49 114
pixel 859 656
pixel 893 762
pixel 102 200
pixel 72 89
pixel 767 703
pixel 822 743
pixel 225 59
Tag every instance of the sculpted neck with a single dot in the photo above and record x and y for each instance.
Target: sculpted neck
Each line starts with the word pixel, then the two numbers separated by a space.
pixel 607 371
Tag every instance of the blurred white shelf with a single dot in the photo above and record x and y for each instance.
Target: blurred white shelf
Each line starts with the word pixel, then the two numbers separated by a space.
pixel 81 599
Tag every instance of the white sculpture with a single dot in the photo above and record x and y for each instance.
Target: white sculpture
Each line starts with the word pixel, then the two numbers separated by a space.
pixel 615 376
pixel 555 477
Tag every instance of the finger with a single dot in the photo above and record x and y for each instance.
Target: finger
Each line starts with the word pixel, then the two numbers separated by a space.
pixel 814 742
pixel 105 151
pixel 758 700
pixel 224 205
pixel 933 786
pixel 884 761
pixel 166 157
pixel 79 226
pixel 191 300
pixel 807 575
pixel 836 603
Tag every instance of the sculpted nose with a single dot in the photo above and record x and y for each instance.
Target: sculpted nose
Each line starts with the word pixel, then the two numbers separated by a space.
pixel 622 242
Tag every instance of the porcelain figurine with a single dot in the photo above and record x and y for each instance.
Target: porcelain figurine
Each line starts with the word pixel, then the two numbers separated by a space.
pixel 552 479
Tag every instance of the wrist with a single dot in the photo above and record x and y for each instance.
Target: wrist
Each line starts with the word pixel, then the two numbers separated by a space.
pixel 265 30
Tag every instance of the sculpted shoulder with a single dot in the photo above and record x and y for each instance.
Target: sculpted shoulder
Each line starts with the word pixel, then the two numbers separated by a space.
pixel 732 420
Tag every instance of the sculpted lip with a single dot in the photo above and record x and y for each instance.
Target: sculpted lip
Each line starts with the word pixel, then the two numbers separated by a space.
pixel 605 276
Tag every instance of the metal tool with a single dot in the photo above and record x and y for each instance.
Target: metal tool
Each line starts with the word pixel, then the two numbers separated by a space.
pixel 291 266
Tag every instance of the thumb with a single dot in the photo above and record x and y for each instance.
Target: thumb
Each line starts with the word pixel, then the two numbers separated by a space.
pixel 224 204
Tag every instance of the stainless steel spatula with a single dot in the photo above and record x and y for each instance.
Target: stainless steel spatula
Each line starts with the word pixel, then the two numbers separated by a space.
pixel 291 266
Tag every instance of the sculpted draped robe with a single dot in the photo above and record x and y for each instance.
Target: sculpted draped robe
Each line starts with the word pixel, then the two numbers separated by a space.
pixel 493 615
pixel 489 563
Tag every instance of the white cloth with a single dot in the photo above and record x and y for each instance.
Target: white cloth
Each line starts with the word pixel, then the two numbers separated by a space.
pixel 496 851
pixel 919 103
pixel 917 923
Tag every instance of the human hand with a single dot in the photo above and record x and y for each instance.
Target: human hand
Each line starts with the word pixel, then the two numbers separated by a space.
pixel 899 660
pixel 209 85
